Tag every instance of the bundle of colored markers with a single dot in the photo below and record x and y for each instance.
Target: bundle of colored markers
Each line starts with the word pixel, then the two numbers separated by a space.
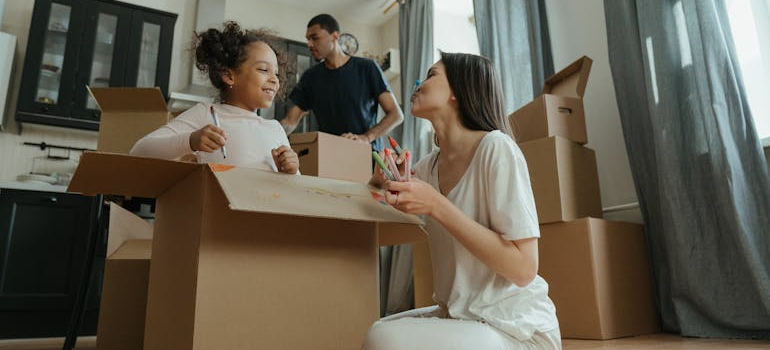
pixel 388 165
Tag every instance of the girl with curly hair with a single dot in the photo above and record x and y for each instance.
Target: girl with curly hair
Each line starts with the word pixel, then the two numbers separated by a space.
pixel 245 66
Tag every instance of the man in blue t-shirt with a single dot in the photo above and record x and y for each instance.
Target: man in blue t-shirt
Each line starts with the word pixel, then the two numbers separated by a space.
pixel 344 91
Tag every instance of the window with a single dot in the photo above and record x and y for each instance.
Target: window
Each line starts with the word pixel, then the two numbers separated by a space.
pixel 453 27
pixel 750 24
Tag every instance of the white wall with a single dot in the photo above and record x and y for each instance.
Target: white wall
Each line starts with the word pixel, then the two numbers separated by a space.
pixel 17 15
pixel 577 28
pixel 290 21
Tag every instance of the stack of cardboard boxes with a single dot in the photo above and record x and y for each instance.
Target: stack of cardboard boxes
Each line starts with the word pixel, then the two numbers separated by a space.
pixel 598 271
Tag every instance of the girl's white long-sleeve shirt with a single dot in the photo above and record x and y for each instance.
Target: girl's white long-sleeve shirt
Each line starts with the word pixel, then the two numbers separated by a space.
pixel 250 138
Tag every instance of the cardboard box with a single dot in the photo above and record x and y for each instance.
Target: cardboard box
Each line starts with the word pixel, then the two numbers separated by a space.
pixel 128 114
pixel 599 278
pixel 564 179
pixel 422 275
pixel 333 157
pixel 126 274
pixel 558 111
pixel 244 259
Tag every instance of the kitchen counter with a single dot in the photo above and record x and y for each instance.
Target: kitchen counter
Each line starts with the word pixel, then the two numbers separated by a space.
pixel 32 186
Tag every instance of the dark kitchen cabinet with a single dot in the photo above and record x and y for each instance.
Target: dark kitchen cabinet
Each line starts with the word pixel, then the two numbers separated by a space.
pixel 43 243
pixel 77 43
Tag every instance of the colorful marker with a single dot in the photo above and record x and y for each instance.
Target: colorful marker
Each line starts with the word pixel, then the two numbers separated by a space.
pixel 408 165
pixel 395 146
pixel 216 122
pixel 392 165
pixel 381 164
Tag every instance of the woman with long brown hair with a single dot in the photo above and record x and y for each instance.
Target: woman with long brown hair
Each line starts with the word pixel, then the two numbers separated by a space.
pixel 481 222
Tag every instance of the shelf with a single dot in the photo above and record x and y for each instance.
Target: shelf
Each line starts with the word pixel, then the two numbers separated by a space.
pixel 57 33
pixel 49 75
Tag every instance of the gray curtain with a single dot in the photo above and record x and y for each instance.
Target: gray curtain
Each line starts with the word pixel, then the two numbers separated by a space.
pixel 415 21
pixel 697 163
pixel 416 50
pixel 514 35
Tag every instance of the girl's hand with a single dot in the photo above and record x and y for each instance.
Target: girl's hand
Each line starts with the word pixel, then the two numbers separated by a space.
pixel 286 159
pixel 208 139
pixel 414 197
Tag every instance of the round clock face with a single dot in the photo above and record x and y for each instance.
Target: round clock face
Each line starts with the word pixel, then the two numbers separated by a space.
pixel 348 43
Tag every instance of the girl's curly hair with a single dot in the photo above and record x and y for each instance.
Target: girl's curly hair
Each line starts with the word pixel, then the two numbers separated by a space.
pixel 217 50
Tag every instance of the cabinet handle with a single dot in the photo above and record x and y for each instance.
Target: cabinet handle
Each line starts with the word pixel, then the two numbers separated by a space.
pixel 50 199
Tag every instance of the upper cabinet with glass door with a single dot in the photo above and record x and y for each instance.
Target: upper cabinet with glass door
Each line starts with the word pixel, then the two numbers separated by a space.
pixel 75 43
pixel 49 67
pixel 49 80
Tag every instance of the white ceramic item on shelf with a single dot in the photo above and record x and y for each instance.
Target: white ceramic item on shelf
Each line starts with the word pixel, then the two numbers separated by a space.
pixel 37 178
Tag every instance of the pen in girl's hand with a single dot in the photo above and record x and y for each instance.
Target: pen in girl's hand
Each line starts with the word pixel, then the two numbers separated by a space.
pixel 216 122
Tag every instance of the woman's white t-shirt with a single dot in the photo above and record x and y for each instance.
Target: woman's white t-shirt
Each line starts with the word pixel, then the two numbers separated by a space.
pixel 250 138
pixel 494 191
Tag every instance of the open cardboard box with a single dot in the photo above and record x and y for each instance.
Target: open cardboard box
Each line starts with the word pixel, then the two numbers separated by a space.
pixel 244 259
pixel 564 179
pixel 124 290
pixel 128 114
pixel 599 278
pixel 333 157
pixel 559 110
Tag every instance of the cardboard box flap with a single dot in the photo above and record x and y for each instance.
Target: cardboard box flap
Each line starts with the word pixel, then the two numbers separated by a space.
pixel 259 191
pixel 125 226
pixel 129 99
pixel 133 249
pixel 570 81
pixel 118 174
pixel 305 137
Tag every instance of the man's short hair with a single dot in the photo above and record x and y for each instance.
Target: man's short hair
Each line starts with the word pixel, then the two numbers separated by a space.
pixel 326 22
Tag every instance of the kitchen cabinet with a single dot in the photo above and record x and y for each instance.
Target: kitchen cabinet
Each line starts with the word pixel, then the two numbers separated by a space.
pixel 77 43
pixel 43 248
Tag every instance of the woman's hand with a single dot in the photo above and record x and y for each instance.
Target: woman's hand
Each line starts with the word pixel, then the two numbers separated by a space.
pixel 414 197
pixel 378 178
pixel 286 159
pixel 208 139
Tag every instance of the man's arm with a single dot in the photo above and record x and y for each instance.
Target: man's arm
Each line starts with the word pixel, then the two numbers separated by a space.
pixel 393 116
pixel 289 123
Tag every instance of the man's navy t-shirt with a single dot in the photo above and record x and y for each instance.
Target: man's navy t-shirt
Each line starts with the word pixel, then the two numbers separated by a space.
pixel 343 99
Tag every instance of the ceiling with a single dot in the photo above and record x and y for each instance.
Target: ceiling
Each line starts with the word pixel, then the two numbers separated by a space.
pixel 367 12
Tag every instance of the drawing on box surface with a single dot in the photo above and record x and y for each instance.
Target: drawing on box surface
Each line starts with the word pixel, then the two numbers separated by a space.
pixel 333 194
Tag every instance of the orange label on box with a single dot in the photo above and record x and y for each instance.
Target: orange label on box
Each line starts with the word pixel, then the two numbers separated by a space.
pixel 220 167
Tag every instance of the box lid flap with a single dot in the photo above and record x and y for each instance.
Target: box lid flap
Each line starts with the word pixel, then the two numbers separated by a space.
pixel 125 226
pixel 305 137
pixel 305 196
pixel 129 99
pixel 118 174
pixel 133 249
pixel 570 81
